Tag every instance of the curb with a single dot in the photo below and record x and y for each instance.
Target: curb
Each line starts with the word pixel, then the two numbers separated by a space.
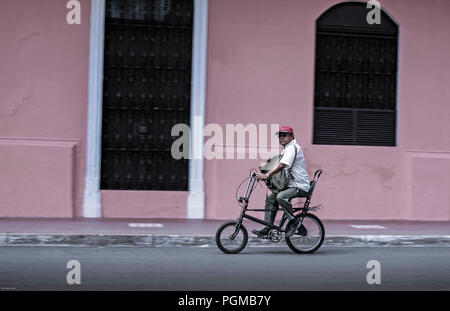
pixel 107 240
pixel 388 240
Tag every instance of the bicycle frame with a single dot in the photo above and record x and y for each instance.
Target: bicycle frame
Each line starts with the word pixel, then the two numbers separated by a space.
pixel 251 185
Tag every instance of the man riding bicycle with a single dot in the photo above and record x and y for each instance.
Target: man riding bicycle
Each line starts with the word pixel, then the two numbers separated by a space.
pixel 292 159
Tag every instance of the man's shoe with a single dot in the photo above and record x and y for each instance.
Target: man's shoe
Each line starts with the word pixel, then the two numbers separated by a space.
pixel 302 231
pixel 261 232
pixel 291 227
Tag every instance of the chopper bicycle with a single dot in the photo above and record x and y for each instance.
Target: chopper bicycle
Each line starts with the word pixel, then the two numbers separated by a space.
pixel 232 237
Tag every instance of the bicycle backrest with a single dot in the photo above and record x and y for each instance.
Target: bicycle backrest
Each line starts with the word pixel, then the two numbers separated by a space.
pixel 312 183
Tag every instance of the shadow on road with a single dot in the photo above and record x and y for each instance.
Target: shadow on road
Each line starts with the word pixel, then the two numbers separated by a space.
pixel 283 251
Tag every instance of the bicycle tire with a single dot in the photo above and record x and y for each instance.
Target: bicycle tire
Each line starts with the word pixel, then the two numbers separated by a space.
pixel 220 239
pixel 303 232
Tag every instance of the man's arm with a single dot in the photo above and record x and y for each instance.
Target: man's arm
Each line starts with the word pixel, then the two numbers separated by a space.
pixel 287 160
pixel 277 169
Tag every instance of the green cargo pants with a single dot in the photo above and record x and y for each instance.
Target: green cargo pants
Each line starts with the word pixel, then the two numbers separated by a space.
pixel 283 199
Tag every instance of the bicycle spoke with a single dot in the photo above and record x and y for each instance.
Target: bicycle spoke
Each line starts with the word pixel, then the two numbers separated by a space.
pixel 225 239
pixel 308 237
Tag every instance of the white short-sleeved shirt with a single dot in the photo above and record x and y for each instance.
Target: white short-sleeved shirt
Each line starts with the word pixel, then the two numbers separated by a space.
pixel 298 170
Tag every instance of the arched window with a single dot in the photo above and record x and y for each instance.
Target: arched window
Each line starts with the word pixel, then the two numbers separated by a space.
pixel 355 78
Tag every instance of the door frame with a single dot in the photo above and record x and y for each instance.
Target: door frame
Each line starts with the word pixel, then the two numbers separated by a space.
pixel 92 206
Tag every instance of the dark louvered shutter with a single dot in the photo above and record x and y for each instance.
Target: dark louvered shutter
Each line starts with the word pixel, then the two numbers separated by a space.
pixel 334 126
pixel 146 91
pixel 355 78
pixel 375 128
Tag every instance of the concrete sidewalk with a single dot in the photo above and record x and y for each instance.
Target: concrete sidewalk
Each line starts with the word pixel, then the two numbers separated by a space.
pixel 200 233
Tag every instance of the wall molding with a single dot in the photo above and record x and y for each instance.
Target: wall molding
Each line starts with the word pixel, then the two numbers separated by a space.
pixel 92 199
pixel 92 196
pixel 196 198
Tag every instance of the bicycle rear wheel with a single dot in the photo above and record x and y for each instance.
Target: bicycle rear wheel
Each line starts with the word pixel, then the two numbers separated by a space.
pixel 309 236
pixel 225 240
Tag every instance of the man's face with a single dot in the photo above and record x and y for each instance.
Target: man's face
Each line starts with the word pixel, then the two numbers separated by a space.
pixel 285 138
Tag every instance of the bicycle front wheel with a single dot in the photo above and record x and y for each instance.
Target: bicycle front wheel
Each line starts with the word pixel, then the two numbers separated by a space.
pixel 229 240
pixel 309 236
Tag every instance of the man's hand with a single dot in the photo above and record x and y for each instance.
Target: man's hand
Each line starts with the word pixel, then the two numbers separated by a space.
pixel 261 177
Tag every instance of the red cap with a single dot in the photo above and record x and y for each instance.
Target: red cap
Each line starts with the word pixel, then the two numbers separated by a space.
pixel 286 129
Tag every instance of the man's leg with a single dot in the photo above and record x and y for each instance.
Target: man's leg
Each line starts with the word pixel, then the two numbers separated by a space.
pixel 271 204
pixel 270 214
pixel 284 200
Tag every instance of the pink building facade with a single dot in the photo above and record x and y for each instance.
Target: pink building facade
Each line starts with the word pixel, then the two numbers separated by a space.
pixel 253 62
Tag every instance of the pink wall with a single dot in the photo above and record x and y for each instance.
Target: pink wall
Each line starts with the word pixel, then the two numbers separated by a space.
pixel 261 70
pixel 43 103
pixel 39 178
pixel 144 204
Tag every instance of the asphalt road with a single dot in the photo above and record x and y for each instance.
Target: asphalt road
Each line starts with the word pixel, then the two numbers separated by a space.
pixel 196 268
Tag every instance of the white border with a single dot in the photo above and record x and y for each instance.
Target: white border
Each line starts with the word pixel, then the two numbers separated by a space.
pixel 92 207
pixel 196 198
